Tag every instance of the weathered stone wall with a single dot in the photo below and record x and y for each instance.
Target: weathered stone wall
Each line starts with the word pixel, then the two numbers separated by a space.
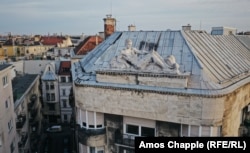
pixel 121 79
pixel 154 106
pixel 173 82
pixel 224 111
pixel 95 141
pixel 163 82
pixel 112 123
pixel 234 103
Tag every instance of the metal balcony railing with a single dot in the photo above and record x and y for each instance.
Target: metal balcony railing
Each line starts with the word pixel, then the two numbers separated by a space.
pixel 33 97
pixel 20 121
pixel 22 142
pixel 125 140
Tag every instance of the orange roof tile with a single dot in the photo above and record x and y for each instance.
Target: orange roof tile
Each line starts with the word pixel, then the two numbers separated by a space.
pixel 87 45
pixel 64 68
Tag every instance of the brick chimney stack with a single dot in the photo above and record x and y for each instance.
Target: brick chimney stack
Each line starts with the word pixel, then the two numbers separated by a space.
pixel 109 26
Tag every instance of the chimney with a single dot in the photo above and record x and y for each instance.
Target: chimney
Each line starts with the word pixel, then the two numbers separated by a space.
pixel 131 27
pixel 96 40
pixel 186 27
pixel 109 26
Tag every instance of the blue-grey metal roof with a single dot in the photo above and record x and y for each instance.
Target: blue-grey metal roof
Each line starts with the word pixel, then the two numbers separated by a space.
pixel 214 62
pixel 49 73
pixel 168 43
pixel 21 84
pixel 223 56
pixel 245 39
pixel 4 66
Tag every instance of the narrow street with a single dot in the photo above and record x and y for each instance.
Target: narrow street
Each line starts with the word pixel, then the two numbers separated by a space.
pixel 58 142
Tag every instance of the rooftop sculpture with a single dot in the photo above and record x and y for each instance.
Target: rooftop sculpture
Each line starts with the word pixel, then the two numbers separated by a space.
pixel 134 59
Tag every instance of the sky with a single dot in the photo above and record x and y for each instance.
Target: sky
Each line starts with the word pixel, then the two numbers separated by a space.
pixel 75 17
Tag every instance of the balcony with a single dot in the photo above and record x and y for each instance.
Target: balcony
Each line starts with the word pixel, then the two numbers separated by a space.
pixel 125 140
pixel 91 136
pixel 20 121
pixel 31 105
pixel 22 142
pixel 33 98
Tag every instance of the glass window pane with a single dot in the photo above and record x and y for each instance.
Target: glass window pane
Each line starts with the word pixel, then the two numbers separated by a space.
pixel 184 130
pixel 132 129
pixel 194 131
pixel 147 132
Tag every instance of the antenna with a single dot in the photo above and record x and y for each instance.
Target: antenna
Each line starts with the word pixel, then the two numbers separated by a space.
pixel 111 7
pixel 200 24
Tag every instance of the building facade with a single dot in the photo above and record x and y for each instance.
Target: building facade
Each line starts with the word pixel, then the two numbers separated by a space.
pixel 50 94
pixel 160 83
pixel 223 31
pixel 65 85
pixel 28 111
pixel 8 140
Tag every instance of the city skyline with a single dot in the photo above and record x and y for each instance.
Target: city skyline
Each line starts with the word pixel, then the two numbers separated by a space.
pixel 77 17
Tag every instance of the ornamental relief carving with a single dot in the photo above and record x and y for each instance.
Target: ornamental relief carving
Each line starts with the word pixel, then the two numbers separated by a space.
pixel 141 60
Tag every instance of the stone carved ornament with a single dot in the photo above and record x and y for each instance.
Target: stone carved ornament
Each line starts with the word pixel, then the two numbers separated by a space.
pixel 131 58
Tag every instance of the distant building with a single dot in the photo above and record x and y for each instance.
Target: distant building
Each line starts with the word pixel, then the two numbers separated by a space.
pixel 223 31
pixel 163 83
pixel 186 27
pixel 8 141
pixel 50 95
pixel 65 85
pixel 131 27
pixel 87 45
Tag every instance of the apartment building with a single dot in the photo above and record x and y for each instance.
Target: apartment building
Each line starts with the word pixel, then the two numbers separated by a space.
pixel 65 85
pixel 8 140
pixel 50 94
pixel 160 83
pixel 28 111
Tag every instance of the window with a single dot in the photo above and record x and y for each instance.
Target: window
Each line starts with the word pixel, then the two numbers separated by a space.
pixel 63 79
pixel 65 117
pixel 10 125
pixel 91 149
pixel 7 104
pixel 147 132
pixel 52 86
pixel 53 97
pixel 140 130
pixel 64 92
pixel 12 147
pixel 48 96
pixel 132 129
pixel 1 141
pixel 96 149
pixel 205 131
pixel 47 86
pixel 64 103
pixel 84 124
pixel 91 119
pixel 5 80
pixel 70 79
pixel 66 69
pixel 195 130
